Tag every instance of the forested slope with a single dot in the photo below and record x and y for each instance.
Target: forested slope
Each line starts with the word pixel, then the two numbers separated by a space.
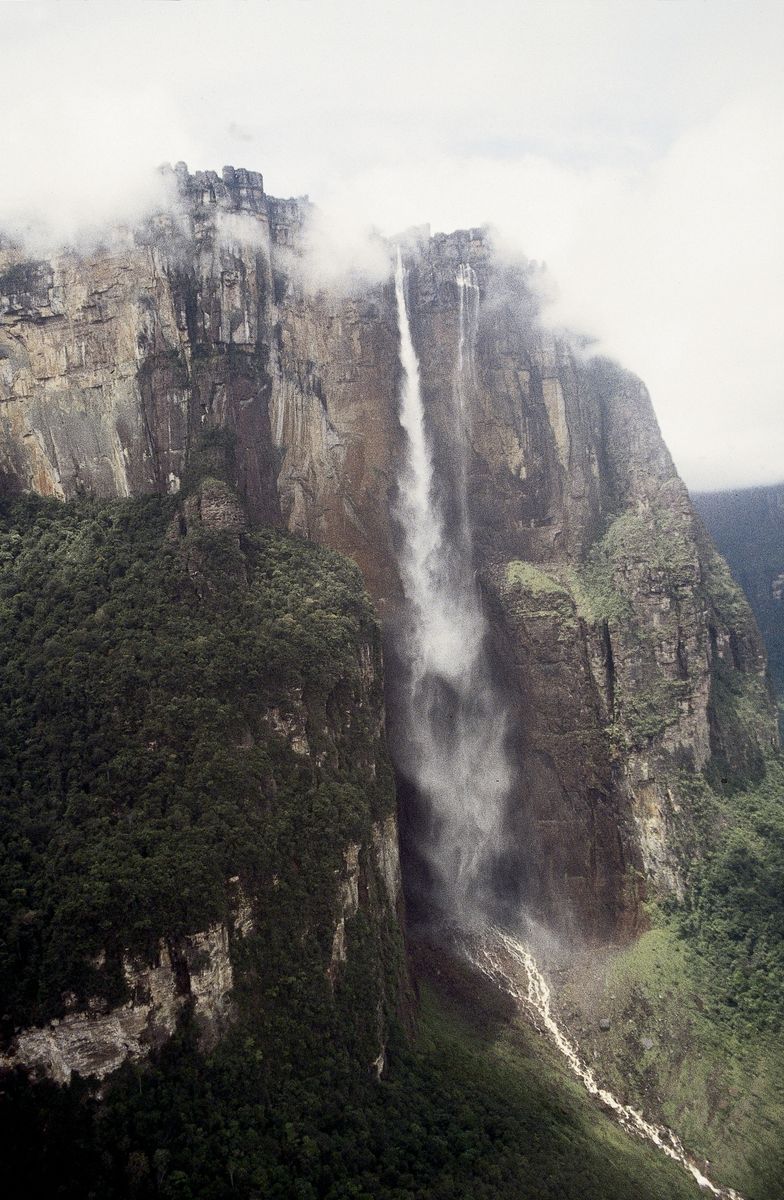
pixel 163 669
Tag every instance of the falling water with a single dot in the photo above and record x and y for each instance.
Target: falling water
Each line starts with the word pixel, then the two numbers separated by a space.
pixel 464 381
pixel 500 957
pixel 452 742
pixel 468 294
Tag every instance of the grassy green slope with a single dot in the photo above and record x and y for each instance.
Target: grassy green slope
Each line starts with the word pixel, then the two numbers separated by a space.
pixel 697 1003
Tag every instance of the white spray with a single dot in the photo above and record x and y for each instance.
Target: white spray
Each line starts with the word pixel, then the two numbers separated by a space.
pixel 453 729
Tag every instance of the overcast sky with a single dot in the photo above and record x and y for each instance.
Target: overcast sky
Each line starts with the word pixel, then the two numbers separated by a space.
pixel 637 147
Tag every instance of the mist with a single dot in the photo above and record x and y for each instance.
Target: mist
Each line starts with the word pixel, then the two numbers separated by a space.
pixel 636 149
pixel 450 736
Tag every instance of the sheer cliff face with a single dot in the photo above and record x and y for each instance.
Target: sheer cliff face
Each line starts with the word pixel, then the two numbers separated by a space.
pixel 112 365
pixel 623 650
pixel 748 528
pixel 627 655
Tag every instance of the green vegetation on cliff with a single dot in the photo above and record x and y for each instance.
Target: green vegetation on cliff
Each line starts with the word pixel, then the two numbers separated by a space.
pixel 734 908
pixel 677 1052
pixel 532 579
pixel 150 670
pixel 696 1004
pixel 653 544
pixel 533 595
pixel 155 673
pixel 748 528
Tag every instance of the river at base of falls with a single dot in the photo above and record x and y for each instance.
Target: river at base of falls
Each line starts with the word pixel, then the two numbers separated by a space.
pixel 511 966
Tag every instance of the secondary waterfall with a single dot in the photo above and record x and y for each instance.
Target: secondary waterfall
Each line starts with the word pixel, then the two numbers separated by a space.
pixel 453 730
pixel 468 294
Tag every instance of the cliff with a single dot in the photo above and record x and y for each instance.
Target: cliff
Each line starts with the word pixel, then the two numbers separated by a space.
pixel 747 526
pixel 199 807
pixel 626 657
pixel 201 848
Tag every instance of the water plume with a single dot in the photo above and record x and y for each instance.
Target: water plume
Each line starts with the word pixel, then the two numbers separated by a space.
pixel 454 729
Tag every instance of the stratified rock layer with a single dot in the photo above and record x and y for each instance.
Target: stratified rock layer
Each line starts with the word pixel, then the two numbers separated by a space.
pixel 99 1039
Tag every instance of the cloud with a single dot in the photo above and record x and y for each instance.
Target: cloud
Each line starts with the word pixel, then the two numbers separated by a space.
pixel 676 268
pixel 58 188
pixel 637 148
pixel 343 250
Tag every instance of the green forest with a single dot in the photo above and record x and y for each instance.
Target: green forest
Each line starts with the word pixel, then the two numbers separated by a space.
pixel 138 659
pixel 141 651
pixel 138 772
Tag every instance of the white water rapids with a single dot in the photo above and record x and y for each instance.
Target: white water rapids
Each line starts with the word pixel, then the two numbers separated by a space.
pixel 454 728
pixel 511 966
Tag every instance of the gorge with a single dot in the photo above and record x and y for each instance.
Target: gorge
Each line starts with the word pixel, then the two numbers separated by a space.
pixel 574 689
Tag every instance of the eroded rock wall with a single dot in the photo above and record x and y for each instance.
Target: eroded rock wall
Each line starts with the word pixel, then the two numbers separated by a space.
pixel 641 663
pixel 95 1041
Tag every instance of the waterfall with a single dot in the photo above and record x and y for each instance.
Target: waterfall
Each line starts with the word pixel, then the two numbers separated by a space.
pixel 464 380
pixel 451 742
pixel 451 734
pixel 468 294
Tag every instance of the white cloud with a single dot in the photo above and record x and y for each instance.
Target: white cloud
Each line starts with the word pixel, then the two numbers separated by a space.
pixel 637 147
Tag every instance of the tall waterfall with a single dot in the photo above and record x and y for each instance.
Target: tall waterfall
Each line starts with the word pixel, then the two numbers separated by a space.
pixel 453 729
pixel 451 740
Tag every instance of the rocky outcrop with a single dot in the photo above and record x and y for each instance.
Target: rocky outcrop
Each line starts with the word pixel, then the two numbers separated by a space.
pixel 387 855
pixel 134 349
pixel 97 1040
pixel 635 667
pixel 379 862
pixel 634 661
pixel 348 901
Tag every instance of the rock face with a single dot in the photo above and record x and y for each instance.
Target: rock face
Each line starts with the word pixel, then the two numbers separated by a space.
pixel 112 365
pixel 624 650
pixel 385 866
pixel 748 527
pixel 97 1041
